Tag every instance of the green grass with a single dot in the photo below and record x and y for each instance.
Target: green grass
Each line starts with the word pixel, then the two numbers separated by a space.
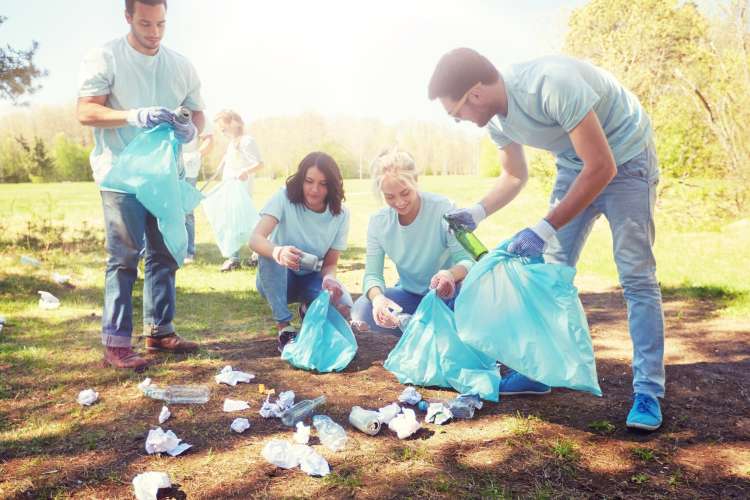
pixel 603 426
pixel 644 454
pixel 565 449
pixel 694 265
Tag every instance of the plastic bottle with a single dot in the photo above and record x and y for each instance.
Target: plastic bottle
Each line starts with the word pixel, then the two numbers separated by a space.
pixel 30 261
pixel 467 239
pixel 183 114
pixel 403 320
pixel 331 434
pixel 179 394
pixel 301 411
pixel 367 421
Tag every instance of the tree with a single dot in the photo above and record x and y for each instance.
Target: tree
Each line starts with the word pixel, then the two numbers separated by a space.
pixel 71 159
pixel 18 71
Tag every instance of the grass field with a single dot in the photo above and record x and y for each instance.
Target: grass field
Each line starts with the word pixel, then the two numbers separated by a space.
pixel 566 444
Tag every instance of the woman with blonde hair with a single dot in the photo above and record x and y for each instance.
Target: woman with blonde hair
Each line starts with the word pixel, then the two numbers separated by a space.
pixel 241 161
pixel 412 233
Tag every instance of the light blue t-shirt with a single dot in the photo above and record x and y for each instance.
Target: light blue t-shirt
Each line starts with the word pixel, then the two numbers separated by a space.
pixel 310 231
pixel 134 80
pixel 418 250
pixel 548 98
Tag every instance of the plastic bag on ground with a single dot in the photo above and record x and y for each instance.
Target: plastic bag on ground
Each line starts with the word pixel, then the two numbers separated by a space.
pixel 410 396
pixel 87 397
pixel 438 413
pixel 280 453
pixel 430 353
pixel 527 315
pixel 148 168
pixel 231 214
pixel 231 405
pixel 302 434
pixel 232 377
pixel 388 413
pixel 311 463
pixel 331 434
pixel 404 424
pixel 147 485
pixel 240 425
pixel 164 414
pixel 159 441
pixel 325 342
pixel 47 300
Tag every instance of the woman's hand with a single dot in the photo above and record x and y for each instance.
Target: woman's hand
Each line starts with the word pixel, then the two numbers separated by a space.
pixel 287 256
pixel 444 284
pixel 382 312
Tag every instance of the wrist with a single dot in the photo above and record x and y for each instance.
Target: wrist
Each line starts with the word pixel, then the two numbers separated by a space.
pixel 275 253
pixel 478 213
pixel 133 118
pixel 544 230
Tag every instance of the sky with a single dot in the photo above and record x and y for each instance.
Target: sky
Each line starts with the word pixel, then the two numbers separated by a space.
pixel 284 57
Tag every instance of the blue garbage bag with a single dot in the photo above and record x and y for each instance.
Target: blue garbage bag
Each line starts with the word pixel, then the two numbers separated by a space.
pixel 148 168
pixel 430 353
pixel 527 315
pixel 231 214
pixel 325 343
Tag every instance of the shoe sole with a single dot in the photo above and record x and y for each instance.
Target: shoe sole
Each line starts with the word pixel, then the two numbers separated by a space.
pixel 642 427
pixel 138 369
pixel 176 351
pixel 525 393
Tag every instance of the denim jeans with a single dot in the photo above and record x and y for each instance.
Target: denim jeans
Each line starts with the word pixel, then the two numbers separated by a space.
pixel 628 205
pixel 362 310
pixel 281 287
pixel 190 223
pixel 126 223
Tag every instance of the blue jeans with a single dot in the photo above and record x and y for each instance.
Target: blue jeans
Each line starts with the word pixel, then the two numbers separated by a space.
pixel 281 286
pixel 362 310
pixel 628 204
pixel 190 223
pixel 126 222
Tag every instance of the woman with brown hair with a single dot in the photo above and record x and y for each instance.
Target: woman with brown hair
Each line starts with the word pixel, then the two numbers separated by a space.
pixel 302 231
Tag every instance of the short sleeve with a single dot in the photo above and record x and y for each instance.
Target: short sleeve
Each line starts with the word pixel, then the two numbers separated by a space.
pixel 340 241
pixel 96 74
pixel 497 136
pixel 275 206
pixel 194 99
pixel 567 98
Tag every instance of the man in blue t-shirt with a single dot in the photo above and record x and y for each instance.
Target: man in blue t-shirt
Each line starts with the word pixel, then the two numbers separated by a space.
pixel 606 165
pixel 130 84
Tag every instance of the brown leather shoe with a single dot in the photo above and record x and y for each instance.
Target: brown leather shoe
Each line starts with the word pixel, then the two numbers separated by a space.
pixel 124 357
pixel 170 343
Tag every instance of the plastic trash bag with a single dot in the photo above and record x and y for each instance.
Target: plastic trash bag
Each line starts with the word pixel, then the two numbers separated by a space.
pixel 148 168
pixel 430 353
pixel 325 342
pixel 231 214
pixel 527 315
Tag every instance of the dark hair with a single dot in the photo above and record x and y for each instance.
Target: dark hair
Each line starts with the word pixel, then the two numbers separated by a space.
pixel 458 71
pixel 335 183
pixel 130 4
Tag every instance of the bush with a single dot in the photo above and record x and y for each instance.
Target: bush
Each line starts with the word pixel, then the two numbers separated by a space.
pixel 71 159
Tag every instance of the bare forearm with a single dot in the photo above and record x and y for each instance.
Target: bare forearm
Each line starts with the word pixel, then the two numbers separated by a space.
pixel 590 183
pixel 262 246
pixel 98 115
pixel 503 192
pixel 199 120
pixel 458 272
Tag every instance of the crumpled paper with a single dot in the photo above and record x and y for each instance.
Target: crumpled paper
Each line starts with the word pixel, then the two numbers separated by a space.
pixel 282 404
pixel 144 384
pixel 232 377
pixel 148 484
pixel 388 413
pixel 159 441
pixel 60 279
pixel 240 425
pixel 410 396
pixel 302 434
pixel 47 300
pixel 87 397
pixel 287 456
pixel 404 424
pixel 164 414
pixel 438 413
pixel 235 405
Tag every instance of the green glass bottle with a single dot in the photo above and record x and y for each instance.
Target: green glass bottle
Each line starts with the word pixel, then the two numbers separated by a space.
pixel 467 239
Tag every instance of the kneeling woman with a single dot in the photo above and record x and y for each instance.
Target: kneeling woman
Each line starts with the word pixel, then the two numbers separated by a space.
pixel 412 233
pixel 305 216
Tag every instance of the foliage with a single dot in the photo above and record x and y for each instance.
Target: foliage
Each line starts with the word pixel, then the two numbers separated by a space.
pixel 18 71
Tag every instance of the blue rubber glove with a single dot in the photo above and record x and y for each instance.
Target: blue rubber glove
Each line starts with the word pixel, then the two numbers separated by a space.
pixel 532 241
pixel 468 217
pixel 150 117
pixel 184 132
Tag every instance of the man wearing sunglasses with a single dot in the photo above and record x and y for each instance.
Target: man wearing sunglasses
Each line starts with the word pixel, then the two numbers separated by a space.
pixel 606 165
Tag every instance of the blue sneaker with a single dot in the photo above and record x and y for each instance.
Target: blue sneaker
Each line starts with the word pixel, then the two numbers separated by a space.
pixel 515 383
pixel 645 413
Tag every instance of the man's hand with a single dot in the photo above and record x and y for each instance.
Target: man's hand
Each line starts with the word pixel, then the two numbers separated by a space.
pixel 287 256
pixel 150 117
pixel 444 284
pixel 382 312
pixel 334 287
pixel 468 217
pixel 532 241
pixel 184 132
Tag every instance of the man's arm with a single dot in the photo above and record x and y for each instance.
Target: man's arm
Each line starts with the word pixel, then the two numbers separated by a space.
pixel 199 120
pixel 93 112
pixel 512 179
pixel 599 169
